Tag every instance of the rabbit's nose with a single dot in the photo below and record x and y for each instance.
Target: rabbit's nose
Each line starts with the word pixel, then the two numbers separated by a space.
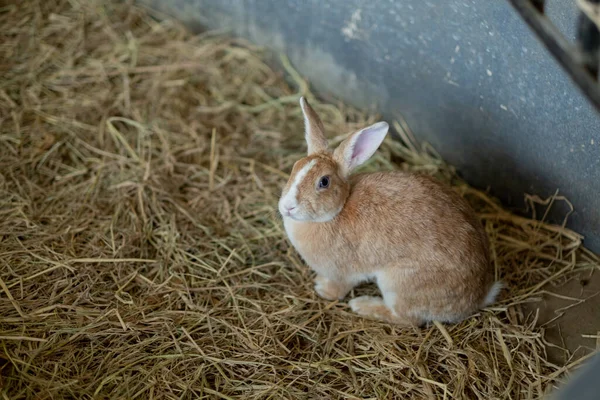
pixel 288 209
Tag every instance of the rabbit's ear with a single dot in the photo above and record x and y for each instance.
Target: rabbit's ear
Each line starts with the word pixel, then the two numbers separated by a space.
pixel 314 133
pixel 359 147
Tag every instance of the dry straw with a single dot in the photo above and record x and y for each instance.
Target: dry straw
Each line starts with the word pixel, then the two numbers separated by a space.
pixel 141 255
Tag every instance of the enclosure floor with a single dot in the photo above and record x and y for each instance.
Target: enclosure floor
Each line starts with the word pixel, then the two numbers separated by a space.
pixel 142 255
pixel 571 331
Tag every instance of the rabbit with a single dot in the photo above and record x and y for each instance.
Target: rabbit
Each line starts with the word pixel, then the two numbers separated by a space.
pixel 416 238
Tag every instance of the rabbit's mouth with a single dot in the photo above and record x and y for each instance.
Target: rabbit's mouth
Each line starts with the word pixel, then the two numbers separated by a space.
pixel 294 214
pixel 287 209
pixel 288 213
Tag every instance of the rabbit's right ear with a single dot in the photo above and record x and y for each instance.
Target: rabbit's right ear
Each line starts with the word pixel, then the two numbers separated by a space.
pixel 359 147
pixel 314 133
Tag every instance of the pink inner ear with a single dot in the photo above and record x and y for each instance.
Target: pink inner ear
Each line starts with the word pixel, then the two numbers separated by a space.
pixel 359 148
pixel 367 143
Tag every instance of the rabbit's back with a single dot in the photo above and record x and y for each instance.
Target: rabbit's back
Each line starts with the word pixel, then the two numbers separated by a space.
pixel 415 216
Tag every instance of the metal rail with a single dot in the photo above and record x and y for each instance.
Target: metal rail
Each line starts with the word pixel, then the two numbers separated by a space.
pixel 581 61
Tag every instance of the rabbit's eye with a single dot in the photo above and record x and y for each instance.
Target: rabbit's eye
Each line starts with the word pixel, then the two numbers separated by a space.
pixel 324 182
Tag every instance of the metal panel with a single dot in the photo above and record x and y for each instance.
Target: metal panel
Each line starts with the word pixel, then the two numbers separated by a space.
pixel 468 76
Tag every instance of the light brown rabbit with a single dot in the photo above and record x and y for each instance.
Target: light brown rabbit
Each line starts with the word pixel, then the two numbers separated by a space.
pixel 415 237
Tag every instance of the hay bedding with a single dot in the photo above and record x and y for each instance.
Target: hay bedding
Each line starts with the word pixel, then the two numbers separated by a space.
pixel 141 252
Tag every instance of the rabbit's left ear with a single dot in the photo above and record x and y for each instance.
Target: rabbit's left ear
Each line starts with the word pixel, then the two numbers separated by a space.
pixel 314 133
pixel 359 147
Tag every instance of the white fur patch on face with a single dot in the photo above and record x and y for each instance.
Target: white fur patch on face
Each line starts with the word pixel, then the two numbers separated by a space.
pixel 290 199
